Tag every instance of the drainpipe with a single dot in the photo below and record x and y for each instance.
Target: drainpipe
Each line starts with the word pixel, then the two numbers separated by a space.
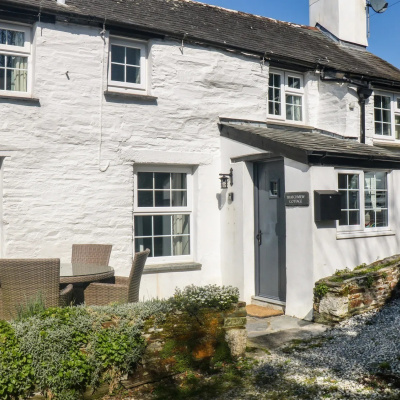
pixel 363 94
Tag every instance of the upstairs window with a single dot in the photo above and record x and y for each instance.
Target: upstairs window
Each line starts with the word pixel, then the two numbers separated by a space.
pixel 364 196
pixel 387 116
pixel 15 53
pixel 127 65
pixel 285 96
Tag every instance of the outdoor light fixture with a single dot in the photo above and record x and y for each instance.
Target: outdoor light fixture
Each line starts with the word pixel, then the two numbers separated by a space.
pixel 224 179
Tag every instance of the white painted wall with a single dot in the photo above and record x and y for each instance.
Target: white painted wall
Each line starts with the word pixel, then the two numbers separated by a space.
pixel 299 244
pixel 347 20
pixel 54 191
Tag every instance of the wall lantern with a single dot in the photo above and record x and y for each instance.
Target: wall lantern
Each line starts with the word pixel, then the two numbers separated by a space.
pixel 225 178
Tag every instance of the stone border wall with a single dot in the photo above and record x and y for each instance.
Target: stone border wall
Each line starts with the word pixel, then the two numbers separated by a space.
pixel 349 293
pixel 186 341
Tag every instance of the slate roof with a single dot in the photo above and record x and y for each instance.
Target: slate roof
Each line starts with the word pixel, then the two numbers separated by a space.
pixel 279 41
pixel 311 147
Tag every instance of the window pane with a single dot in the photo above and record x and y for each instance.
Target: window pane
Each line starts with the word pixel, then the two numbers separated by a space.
pixel 354 203
pixel 143 226
pixel 381 218
pixel 343 199
pixel 142 244
pixel 18 62
pixel 397 126
pixel 163 198
pixel 179 198
pixel 342 181
pixel 386 102
pixel 132 56
pixel 117 73
pixel 8 79
pixel 145 180
pixel 354 218
pixel 162 246
pixel 16 38
pixel 398 103
pixel 294 82
pixel 162 180
pixel 386 129
pixel 145 198
pixel 118 54
pixel 133 74
pixel 180 224
pixel 181 245
pixel 3 36
pixel 378 115
pixel 276 80
pixel 381 200
pixel 385 116
pixel 378 128
pixel 162 225
pixel 19 80
pixel 178 181
pixel 343 218
pixel 2 61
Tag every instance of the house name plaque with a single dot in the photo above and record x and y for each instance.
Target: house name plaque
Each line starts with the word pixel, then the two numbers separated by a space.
pixel 297 199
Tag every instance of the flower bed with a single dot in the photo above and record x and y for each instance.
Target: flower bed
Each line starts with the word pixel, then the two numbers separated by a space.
pixel 348 293
pixel 62 352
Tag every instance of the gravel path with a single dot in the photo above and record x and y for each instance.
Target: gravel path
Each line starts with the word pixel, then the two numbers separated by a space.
pixel 357 359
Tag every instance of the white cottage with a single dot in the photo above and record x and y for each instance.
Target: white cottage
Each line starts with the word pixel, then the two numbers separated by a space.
pixel 119 117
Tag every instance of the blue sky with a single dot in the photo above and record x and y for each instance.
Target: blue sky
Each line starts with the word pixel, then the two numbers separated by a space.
pixel 385 28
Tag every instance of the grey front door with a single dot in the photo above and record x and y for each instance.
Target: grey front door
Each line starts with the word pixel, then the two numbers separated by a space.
pixel 270 235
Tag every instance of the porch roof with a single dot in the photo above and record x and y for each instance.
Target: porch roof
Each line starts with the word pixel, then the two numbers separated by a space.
pixel 311 147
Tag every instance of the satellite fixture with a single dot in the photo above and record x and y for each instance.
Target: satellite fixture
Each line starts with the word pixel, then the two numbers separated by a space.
pixel 379 6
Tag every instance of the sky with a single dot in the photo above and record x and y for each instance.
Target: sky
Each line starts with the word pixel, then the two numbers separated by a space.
pixel 384 38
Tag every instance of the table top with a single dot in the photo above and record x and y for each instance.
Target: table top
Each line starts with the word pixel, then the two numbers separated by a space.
pixel 74 273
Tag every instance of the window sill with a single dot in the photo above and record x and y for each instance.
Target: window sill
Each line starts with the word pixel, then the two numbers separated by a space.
pixel 131 96
pixel 19 98
pixel 173 267
pixel 387 143
pixel 354 235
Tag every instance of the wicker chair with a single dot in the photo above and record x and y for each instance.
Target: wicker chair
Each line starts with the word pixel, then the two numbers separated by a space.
pixel 125 289
pixel 23 280
pixel 96 254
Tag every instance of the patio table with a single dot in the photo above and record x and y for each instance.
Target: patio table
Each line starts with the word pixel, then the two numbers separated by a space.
pixel 84 273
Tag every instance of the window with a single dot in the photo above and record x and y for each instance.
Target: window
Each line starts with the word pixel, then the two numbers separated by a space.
pixel 127 65
pixel 364 197
pixel 387 116
pixel 163 213
pixel 285 96
pixel 15 49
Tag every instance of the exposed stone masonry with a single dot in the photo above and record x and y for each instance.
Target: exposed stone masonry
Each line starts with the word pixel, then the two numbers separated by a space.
pixel 349 293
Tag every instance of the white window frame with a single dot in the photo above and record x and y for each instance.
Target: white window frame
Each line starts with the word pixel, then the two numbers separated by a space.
pixel 394 111
pixel 361 184
pixel 145 211
pixel 286 90
pixel 19 51
pixel 127 86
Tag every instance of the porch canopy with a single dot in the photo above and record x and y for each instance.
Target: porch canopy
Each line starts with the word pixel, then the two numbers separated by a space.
pixel 309 146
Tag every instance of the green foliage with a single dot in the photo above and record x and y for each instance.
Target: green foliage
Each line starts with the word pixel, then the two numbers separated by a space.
pixel 16 372
pixel 61 351
pixel 193 298
pixel 31 307
pixel 369 281
pixel 321 290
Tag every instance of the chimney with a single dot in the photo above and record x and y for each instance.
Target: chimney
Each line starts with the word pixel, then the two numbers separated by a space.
pixel 61 1
pixel 347 20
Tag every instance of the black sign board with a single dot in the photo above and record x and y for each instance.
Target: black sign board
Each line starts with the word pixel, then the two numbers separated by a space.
pixel 297 199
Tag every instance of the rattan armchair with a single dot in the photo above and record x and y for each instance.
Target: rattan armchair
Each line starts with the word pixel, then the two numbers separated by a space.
pixel 96 254
pixel 125 289
pixel 24 280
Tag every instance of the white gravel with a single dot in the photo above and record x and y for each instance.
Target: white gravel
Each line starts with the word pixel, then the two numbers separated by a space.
pixel 342 363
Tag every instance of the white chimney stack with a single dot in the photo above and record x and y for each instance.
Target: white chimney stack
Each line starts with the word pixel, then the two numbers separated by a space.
pixel 347 20
pixel 61 1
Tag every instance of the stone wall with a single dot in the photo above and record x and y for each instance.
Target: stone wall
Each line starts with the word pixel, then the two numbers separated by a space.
pixel 349 293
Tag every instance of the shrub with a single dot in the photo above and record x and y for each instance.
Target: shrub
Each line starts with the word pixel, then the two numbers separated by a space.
pixel 61 351
pixel 321 290
pixel 193 298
